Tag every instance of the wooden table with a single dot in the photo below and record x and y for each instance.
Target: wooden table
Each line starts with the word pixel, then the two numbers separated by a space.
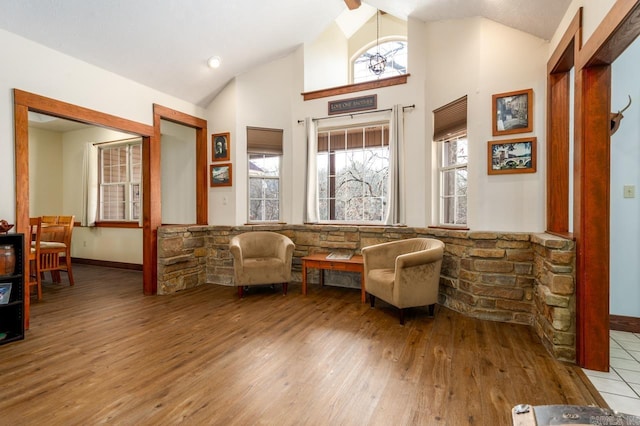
pixel 320 261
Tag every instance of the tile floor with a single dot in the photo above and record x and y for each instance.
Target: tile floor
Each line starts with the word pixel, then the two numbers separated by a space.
pixel 620 387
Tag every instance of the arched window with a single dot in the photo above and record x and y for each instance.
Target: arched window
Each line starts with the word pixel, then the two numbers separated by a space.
pixel 395 53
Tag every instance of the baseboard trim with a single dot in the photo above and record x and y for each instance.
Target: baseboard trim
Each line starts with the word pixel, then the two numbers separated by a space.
pixel 106 263
pixel 622 323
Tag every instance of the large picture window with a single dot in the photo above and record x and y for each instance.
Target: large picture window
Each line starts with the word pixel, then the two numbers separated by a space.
pixel 453 181
pixel 353 173
pixel 120 181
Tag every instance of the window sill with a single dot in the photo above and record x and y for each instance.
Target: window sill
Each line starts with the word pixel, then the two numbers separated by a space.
pixel 339 223
pixel 275 222
pixel 450 227
pixel 117 224
pixel 357 87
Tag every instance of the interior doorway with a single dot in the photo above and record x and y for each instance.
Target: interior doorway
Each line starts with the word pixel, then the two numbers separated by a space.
pixel 25 102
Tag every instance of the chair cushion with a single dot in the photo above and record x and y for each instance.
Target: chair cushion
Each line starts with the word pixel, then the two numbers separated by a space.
pixel 379 282
pixel 262 270
pixel 52 244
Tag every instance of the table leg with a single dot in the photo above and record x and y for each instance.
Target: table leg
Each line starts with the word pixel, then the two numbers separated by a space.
pixel 363 290
pixel 321 279
pixel 304 278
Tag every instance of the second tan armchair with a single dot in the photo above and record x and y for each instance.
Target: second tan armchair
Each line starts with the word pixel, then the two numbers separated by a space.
pixel 261 257
pixel 404 273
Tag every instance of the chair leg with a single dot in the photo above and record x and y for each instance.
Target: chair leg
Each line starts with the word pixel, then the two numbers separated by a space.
pixel 432 309
pixel 67 260
pixel 240 292
pixel 401 316
pixel 285 287
pixel 372 300
pixel 37 279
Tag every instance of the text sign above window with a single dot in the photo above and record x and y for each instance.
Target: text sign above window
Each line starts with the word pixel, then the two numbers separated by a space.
pixel 361 103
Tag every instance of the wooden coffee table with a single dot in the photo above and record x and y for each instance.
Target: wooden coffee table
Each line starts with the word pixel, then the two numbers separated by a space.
pixel 320 261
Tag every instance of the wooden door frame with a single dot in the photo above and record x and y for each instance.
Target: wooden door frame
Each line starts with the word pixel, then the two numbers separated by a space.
pixel 202 174
pixel 619 28
pixel 25 102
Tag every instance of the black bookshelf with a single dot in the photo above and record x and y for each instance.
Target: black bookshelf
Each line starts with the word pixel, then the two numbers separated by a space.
pixel 12 313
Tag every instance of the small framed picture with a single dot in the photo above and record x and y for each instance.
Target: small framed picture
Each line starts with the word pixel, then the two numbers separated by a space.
pixel 512 156
pixel 512 112
pixel 220 147
pixel 5 293
pixel 221 174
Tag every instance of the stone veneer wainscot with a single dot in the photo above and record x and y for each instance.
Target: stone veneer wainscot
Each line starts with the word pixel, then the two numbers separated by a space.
pixel 509 277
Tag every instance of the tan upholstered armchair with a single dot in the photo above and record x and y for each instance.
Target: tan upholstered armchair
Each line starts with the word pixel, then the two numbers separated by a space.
pixel 404 273
pixel 261 257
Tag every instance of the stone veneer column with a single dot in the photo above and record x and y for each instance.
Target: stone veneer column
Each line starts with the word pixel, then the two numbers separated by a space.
pixel 555 294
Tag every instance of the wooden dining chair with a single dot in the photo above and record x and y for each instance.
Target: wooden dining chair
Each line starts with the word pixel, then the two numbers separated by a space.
pixel 41 258
pixel 49 219
pixel 56 235
pixel 67 221
pixel 35 280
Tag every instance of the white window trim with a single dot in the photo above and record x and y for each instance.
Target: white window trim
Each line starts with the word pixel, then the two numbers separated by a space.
pixel 279 178
pixel 128 184
pixel 439 182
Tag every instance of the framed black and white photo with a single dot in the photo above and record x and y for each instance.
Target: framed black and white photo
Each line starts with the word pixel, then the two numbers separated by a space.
pixel 220 147
pixel 512 112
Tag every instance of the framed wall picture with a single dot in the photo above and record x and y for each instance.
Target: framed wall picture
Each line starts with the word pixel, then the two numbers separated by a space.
pixel 512 112
pixel 220 147
pixel 221 174
pixel 512 156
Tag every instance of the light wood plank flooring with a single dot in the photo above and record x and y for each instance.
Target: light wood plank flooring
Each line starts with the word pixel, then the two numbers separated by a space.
pixel 101 352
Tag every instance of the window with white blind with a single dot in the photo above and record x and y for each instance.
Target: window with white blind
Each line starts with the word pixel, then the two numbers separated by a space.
pixel 264 149
pixel 120 181
pixel 450 132
pixel 353 173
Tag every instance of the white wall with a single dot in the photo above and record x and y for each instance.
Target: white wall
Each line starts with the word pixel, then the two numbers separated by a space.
pixel 593 13
pixel 70 80
pixel 625 170
pixel 508 60
pixel 221 118
pixel 178 165
pixel 45 173
pixel 327 60
pixel 108 244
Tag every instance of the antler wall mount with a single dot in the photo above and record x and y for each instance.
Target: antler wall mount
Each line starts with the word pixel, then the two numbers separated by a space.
pixel 617 117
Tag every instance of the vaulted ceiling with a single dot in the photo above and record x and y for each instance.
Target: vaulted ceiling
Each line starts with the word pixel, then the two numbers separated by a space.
pixel 165 44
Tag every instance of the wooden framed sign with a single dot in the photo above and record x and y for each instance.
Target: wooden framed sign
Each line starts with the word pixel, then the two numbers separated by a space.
pixel 345 106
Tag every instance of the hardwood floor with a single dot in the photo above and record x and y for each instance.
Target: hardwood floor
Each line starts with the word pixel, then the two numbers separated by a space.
pixel 101 352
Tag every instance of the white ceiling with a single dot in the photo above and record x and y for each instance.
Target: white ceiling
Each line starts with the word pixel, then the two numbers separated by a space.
pixel 165 44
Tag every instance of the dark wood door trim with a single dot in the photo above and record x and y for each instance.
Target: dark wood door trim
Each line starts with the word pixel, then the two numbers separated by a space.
pixel 616 32
pixel 24 102
pixel 202 174
pixel 591 169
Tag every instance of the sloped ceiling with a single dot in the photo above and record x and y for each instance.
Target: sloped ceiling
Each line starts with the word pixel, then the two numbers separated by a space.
pixel 165 44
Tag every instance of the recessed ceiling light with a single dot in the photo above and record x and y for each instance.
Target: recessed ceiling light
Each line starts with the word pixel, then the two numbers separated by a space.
pixel 214 62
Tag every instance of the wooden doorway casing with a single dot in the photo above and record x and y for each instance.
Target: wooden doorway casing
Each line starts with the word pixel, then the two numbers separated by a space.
pixel 591 170
pixel 25 102
pixel 202 178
